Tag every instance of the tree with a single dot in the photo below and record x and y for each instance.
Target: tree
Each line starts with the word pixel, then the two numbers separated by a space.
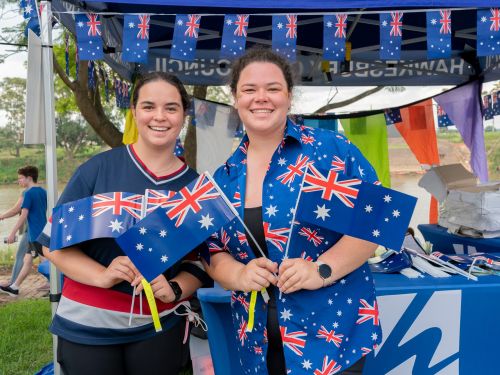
pixel 12 99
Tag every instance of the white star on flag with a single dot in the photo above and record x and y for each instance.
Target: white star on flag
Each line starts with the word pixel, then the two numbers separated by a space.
pixel 322 212
pixel 387 198
pixel 206 221
pixel 142 230
pixel 115 225
pixel 164 259
pixel 131 25
pixel 139 246
pixel 163 233
pixel 71 209
pixel 271 210
pixel 286 315
pixel 376 233
pixel 61 220
pixel 395 213
pixel 69 237
pixel 306 364
pixel 368 208
pixel 281 162
pixel 81 217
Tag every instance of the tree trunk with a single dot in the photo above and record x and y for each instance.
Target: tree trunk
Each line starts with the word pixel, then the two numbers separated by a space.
pixel 199 92
pixel 89 103
pixel 354 99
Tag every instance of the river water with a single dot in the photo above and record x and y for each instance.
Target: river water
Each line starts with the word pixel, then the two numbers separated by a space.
pixel 406 183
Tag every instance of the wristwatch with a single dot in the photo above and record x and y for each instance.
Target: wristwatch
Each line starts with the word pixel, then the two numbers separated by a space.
pixel 324 270
pixel 176 289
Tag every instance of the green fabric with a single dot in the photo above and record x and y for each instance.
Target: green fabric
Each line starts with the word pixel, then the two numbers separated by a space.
pixel 369 134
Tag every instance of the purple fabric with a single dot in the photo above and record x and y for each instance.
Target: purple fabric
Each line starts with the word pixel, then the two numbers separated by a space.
pixel 463 106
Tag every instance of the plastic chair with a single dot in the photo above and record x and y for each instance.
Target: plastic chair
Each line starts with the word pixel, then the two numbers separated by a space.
pixel 216 307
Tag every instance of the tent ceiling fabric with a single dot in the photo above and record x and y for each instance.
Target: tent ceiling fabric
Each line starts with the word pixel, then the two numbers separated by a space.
pixel 365 68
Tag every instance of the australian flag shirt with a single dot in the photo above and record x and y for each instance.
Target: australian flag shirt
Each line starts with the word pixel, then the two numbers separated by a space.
pixel 323 331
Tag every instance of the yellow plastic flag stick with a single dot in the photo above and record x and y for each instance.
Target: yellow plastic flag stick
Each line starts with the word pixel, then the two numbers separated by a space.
pixel 152 304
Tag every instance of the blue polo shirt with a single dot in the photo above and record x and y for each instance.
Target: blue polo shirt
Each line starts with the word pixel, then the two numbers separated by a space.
pixel 35 201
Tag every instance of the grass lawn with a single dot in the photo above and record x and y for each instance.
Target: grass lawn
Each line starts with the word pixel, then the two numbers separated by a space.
pixel 25 342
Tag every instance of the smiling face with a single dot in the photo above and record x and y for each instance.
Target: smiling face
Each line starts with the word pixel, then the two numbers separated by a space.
pixel 262 98
pixel 159 114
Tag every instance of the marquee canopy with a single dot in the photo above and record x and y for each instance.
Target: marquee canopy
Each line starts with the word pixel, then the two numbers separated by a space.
pixel 364 69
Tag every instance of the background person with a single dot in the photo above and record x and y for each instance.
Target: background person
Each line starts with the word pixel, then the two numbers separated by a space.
pixel 92 319
pixel 314 324
pixel 34 213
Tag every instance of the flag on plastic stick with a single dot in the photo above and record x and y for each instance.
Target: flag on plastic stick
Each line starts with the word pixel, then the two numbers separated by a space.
pixel 135 38
pixel 334 36
pixel 105 215
pixel 170 232
pixel 185 37
pixel 439 34
pixel 391 34
pixel 234 35
pixel 488 31
pixel 284 38
pixel 353 207
pixel 88 36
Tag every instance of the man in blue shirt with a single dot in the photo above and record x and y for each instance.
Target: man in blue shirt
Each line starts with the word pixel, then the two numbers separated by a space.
pixel 34 211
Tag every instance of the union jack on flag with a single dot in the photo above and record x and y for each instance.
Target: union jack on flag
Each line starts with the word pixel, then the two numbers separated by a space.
pixel 294 170
pixel 329 367
pixel 117 202
pixel 330 336
pixel 157 198
pixel 293 340
pixel 242 332
pixel 338 165
pixel 311 235
pixel 368 312
pixel 278 237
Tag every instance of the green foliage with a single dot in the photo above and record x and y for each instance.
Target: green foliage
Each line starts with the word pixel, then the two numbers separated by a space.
pixel 26 344
pixel 12 99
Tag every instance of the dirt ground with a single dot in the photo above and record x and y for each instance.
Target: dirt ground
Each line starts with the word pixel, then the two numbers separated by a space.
pixel 32 287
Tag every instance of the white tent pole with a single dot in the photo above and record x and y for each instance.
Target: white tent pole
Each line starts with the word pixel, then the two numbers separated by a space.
pixel 50 146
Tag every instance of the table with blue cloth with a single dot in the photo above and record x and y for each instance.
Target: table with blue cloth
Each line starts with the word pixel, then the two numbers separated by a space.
pixel 430 325
pixel 449 243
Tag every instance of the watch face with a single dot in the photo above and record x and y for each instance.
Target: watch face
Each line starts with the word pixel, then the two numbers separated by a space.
pixel 325 271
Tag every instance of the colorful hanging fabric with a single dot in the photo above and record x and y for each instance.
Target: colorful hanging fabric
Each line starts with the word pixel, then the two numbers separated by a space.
pixel 135 38
pixel 391 34
pixel 369 134
pixel 88 36
pixel 488 32
pixel 439 34
pixel 334 36
pixel 234 35
pixel 185 37
pixel 284 34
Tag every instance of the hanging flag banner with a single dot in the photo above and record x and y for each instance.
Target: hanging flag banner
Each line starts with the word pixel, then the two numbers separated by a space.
pixel 439 34
pixel 334 36
pixel 496 103
pixel 135 38
pixel 285 35
pixel 340 203
pixel 185 37
pixel 168 233
pixel 30 13
pixel 91 75
pixel 391 34
pixel 179 149
pixel 234 35
pixel 99 216
pixel 488 32
pixel 88 36
pixel 443 119
pixel 392 116
pixel 487 107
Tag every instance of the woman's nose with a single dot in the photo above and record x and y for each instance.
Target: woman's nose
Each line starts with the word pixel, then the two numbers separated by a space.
pixel 261 94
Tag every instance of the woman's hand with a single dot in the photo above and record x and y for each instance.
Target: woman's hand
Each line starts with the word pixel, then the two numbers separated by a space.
pixel 160 287
pixel 257 274
pixel 296 274
pixel 120 269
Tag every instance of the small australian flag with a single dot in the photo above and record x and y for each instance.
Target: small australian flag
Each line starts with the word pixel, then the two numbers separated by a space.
pixel 391 34
pixel 88 36
pixel 135 38
pixel 392 116
pixel 285 35
pixel 488 32
pixel 334 36
pixel 234 35
pixel 185 37
pixel 439 34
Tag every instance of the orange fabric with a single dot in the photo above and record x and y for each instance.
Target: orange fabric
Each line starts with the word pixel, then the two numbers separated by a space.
pixel 433 211
pixel 418 130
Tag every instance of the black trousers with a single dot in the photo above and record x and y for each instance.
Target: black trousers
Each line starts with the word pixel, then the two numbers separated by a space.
pixel 163 354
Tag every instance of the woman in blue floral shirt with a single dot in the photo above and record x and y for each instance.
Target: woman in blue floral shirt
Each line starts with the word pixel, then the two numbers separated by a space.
pixel 322 316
